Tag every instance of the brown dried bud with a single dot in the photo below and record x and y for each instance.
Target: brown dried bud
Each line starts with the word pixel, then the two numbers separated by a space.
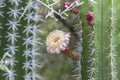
pixel 67 52
pixel 75 11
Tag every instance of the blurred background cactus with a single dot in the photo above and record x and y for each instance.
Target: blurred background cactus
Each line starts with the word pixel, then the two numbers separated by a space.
pixel 94 28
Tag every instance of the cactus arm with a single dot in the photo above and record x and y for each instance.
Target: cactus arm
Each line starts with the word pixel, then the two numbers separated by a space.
pixel 3 28
pixel 3 32
pixel 102 40
pixel 87 40
pixel 15 41
pixel 115 59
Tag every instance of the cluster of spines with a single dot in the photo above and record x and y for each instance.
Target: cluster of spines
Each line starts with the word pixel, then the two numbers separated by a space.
pixel 12 38
pixel 2 4
pixel 111 56
pixel 61 14
pixel 30 30
pixel 79 48
pixel 16 14
pixel 91 59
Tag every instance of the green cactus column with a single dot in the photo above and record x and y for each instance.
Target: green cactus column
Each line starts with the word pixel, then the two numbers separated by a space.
pixel 104 41
pixel 88 42
pixel 3 31
pixel 18 29
pixel 115 40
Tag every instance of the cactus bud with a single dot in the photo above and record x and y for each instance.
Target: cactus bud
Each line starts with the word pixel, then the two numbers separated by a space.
pixel 91 23
pixel 77 2
pixel 90 16
pixel 75 11
pixel 111 27
pixel 67 4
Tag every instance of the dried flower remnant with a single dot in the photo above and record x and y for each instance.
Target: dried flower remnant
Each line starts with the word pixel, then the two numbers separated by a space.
pixel 71 54
pixel 57 41
pixel 75 11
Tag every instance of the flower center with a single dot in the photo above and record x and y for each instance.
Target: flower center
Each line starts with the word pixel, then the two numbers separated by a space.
pixel 55 39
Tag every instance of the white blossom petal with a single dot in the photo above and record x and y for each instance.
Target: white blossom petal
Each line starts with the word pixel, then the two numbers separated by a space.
pixel 57 41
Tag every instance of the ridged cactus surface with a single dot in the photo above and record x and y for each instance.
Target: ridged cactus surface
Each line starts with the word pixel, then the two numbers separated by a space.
pixel 104 46
pixel 18 29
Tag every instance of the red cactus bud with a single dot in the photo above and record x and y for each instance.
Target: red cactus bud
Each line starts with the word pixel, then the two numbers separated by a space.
pixel 67 4
pixel 90 16
pixel 75 11
pixel 111 27
pixel 91 23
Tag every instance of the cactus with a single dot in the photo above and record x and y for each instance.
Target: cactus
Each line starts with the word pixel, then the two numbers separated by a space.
pixel 100 50
pixel 19 56
pixel 18 29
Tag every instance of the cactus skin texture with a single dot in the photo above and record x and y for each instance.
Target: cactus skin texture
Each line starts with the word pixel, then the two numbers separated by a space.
pixel 101 51
pixel 18 29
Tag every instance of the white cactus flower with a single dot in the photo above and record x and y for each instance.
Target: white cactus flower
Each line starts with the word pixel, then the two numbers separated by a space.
pixel 57 41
